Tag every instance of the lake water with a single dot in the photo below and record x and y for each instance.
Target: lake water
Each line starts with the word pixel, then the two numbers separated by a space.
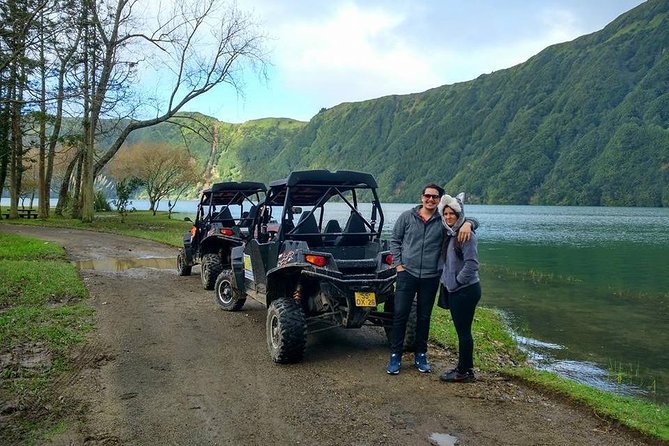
pixel 585 289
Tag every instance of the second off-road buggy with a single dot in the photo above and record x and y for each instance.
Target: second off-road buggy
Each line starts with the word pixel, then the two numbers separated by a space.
pixel 224 217
pixel 328 269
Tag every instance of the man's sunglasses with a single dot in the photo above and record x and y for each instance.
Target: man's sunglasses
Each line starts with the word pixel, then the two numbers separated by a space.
pixel 431 196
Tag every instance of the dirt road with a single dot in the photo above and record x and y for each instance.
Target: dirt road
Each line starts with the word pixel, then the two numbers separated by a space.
pixel 165 366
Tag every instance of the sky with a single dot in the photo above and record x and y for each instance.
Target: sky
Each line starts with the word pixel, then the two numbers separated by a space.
pixel 323 53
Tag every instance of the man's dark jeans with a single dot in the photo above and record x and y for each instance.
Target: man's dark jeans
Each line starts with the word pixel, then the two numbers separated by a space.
pixel 425 290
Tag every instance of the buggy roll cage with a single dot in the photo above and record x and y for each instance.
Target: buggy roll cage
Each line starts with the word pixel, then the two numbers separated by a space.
pixel 228 194
pixel 315 188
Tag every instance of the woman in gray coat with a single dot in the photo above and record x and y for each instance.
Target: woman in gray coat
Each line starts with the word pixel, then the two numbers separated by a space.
pixel 460 277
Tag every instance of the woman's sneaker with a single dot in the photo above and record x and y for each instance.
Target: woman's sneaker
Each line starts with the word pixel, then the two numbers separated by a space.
pixel 394 364
pixel 456 376
pixel 420 361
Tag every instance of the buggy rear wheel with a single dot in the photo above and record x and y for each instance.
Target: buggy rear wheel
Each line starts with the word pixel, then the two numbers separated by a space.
pixel 227 297
pixel 286 330
pixel 183 268
pixel 211 268
pixel 410 334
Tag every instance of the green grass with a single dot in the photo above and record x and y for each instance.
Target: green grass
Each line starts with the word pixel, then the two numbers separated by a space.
pixel 15 247
pixel 643 416
pixel 141 224
pixel 57 328
pixel 496 351
pixel 38 282
pixel 43 316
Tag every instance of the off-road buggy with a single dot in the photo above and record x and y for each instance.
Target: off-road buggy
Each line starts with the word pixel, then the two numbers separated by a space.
pixel 224 217
pixel 328 269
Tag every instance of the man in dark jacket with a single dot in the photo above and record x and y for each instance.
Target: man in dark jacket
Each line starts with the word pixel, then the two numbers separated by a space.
pixel 416 247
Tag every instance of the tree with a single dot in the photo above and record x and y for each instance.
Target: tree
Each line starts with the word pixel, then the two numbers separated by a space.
pixel 124 190
pixel 29 183
pixel 62 52
pixel 162 171
pixel 177 40
pixel 22 34
pixel 85 56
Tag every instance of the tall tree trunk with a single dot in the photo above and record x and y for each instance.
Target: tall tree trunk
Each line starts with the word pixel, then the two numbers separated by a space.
pixel 4 134
pixel 76 198
pixel 16 156
pixel 55 133
pixel 65 186
pixel 43 191
pixel 87 174
pixel 88 179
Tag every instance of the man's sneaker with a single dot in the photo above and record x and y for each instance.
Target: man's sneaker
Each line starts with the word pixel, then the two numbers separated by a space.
pixel 394 364
pixel 456 376
pixel 420 361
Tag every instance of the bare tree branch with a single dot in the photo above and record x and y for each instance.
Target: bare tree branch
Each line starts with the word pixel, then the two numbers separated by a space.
pixel 196 72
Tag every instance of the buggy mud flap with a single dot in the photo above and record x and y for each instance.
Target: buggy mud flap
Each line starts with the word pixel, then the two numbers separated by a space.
pixel 237 263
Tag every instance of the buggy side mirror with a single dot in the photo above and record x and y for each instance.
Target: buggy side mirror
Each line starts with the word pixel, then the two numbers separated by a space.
pixel 188 219
pixel 296 210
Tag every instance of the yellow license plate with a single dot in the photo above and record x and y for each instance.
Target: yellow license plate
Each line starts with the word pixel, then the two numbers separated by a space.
pixel 365 299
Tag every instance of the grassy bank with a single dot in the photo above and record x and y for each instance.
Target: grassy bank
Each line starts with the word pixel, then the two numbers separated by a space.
pixel 43 317
pixel 495 348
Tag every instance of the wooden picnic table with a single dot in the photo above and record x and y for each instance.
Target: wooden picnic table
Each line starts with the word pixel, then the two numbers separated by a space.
pixel 23 213
pixel 27 213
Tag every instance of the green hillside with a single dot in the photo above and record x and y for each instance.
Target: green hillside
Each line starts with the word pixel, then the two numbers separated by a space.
pixel 250 151
pixel 237 148
pixel 581 123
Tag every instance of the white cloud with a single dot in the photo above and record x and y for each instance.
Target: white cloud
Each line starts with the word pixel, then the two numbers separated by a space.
pixel 356 51
pixel 459 64
pixel 560 25
pixel 325 53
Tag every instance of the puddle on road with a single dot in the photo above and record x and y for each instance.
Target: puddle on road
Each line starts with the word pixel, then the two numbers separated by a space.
pixel 120 264
pixel 438 439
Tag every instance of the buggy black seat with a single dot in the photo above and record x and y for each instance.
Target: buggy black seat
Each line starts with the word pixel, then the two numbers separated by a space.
pixel 225 217
pixel 332 226
pixel 247 219
pixel 353 230
pixel 307 230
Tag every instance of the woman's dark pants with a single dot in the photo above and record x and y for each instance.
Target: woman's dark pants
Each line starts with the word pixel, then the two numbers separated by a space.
pixel 425 290
pixel 463 304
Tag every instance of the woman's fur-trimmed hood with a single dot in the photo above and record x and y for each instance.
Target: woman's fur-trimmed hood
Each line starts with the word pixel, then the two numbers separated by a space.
pixel 456 204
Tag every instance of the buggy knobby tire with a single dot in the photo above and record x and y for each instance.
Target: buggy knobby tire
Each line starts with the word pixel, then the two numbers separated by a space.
pixel 410 334
pixel 227 297
pixel 183 268
pixel 211 268
pixel 286 330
